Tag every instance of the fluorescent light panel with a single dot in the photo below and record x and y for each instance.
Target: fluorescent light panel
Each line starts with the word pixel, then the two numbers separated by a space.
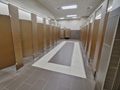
pixel 74 17
pixel 69 7
pixel 98 17
pixel 110 8
pixel 71 15
pixel 62 18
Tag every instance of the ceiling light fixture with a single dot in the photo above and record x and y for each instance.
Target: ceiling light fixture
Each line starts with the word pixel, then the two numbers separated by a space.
pixel 110 8
pixel 98 17
pixel 71 15
pixel 74 17
pixel 62 18
pixel 69 7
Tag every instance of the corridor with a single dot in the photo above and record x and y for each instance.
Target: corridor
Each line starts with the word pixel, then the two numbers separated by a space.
pixel 59 44
pixel 58 69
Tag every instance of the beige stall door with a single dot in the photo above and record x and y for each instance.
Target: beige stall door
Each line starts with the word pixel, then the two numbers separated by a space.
pixel 7 57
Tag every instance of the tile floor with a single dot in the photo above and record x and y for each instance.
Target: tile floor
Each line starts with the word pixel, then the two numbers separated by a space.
pixel 76 68
pixel 34 78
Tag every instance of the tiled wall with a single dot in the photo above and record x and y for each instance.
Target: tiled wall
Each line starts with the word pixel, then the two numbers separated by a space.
pixel 109 69
pixel 113 69
pixel 75 34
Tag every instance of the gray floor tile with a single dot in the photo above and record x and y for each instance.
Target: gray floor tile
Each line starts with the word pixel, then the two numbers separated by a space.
pixel 63 88
pixel 64 58
pixel 30 70
pixel 53 83
pixel 66 81
pixel 33 78
pixel 14 84
pixel 45 74
pixel 39 85
pixel 24 87
pixel 4 89
pixel 77 85
pixel 5 83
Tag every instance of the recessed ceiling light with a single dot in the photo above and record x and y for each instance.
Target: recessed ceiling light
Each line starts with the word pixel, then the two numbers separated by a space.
pixel 71 15
pixel 62 18
pixel 69 7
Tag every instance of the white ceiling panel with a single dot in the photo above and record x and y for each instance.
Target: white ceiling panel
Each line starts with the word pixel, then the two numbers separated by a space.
pixel 82 10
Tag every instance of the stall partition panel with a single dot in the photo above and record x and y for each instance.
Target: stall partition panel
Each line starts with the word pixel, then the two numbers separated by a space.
pixel 34 33
pixel 62 33
pixel 81 34
pixel 94 38
pixel 40 36
pixel 15 27
pixel 58 34
pixel 48 35
pixel 84 35
pixel 87 33
pixel 45 37
pixel 26 35
pixel 7 57
pixel 99 43
pixel 53 35
pixel 88 39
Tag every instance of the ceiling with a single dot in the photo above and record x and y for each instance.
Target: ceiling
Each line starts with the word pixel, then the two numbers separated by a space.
pixel 81 11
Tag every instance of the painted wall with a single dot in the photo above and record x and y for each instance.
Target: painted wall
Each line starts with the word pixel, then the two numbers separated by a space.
pixel 116 4
pixel 33 6
pixel 4 9
pixel 72 24
pixel 24 15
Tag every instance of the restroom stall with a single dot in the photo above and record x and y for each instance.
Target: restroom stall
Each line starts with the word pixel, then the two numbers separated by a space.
pixel 94 33
pixel 94 38
pixel 40 33
pixel 15 27
pixel 84 34
pixel 67 33
pixel 58 34
pixel 88 37
pixel 53 37
pixel 40 36
pixel 108 73
pixel 55 34
pixel 101 35
pixel 26 34
pixel 62 31
pixel 48 35
pixel 7 57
